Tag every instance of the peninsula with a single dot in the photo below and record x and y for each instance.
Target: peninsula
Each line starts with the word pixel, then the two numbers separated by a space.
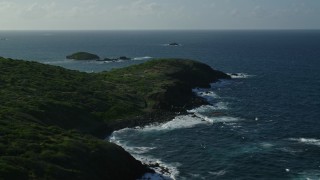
pixel 53 120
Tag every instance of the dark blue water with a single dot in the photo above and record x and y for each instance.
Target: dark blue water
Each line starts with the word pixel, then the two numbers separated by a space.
pixel 265 125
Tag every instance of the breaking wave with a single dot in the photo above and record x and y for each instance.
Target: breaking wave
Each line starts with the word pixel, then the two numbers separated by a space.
pixel 239 75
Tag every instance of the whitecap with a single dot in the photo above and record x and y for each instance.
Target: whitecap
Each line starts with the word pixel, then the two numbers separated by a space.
pixel 309 141
pixel 239 75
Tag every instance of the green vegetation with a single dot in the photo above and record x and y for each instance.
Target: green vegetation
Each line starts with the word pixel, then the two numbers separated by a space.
pixel 83 56
pixel 50 117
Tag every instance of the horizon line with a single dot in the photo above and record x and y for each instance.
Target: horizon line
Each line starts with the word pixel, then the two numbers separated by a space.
pixel 269 29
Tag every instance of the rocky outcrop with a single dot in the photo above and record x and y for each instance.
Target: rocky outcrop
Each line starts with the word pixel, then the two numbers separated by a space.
pixel 179 96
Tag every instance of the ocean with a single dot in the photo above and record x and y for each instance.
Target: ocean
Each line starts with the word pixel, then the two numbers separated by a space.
pixel 262 124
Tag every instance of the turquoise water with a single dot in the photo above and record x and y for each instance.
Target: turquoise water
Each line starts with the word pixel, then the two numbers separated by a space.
pixel 262 125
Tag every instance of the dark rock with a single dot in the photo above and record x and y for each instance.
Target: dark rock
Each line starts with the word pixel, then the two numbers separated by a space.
pixel 124 58
pixel 107 59
pixel 174 44
pixel 121 58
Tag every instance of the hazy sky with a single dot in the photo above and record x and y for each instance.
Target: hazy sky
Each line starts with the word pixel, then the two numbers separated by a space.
pixel 159 14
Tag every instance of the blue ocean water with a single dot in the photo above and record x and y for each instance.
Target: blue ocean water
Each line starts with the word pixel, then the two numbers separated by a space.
pixel 264 124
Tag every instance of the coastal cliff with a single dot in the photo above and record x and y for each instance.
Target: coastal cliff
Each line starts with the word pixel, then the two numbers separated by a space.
pixel 52 119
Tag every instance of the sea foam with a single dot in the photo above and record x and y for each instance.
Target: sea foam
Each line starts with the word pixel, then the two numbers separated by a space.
pixel 184 121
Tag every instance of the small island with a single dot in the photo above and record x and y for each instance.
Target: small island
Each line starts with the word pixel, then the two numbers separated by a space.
pixel 83 56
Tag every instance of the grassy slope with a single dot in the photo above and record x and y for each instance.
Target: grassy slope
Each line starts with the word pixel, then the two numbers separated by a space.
pixel 48 115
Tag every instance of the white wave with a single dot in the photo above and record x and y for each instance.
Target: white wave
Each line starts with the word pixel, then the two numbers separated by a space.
pixel 189 121
pixel 220 119
pixel 239 75
pixel 136 150
pixel 142 58
pixel 179 122
pixel 211 114
pixel 309 141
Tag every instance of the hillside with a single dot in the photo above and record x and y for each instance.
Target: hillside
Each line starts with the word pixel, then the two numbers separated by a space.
pixel 51 117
